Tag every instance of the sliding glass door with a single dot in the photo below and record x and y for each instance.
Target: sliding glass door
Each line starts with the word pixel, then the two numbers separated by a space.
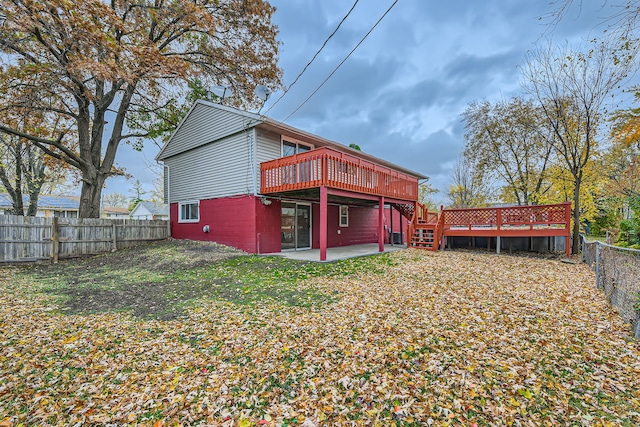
pixel 295 226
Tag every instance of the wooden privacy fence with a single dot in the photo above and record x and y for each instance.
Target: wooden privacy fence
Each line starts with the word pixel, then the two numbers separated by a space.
pixel 24 238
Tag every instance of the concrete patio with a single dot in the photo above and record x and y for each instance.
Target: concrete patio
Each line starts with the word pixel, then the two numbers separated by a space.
pixel 334 254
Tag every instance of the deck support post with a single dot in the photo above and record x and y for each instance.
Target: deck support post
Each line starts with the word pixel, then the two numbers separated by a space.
pixel 498 245
pixel 323 223
pixel 381 224
pixel 567 224
pixel 391 225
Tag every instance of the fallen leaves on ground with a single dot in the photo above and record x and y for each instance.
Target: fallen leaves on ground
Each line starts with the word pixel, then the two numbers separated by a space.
pixel 445 338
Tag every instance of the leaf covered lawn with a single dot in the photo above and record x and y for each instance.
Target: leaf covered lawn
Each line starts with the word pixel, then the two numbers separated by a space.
pixel 411 338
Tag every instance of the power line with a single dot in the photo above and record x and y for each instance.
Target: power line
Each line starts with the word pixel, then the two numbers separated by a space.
pixel 342 62
pixel 314 56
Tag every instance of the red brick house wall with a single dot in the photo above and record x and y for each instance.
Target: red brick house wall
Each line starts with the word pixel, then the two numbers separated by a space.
pixel 246 223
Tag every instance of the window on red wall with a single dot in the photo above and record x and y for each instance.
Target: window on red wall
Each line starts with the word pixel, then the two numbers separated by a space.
pixel 344 216
pixel 188 212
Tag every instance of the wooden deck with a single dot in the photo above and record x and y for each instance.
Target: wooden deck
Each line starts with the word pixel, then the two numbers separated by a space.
pixel 335 169
pixel 427 229
pixel 529 221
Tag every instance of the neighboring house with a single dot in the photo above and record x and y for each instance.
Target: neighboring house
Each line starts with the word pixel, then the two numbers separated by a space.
pixel 61 207
pixel 48 206
pixel 248 181
pixel 150 210
pixel 115 213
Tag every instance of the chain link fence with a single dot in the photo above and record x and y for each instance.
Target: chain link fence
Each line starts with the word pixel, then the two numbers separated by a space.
pixel 618 275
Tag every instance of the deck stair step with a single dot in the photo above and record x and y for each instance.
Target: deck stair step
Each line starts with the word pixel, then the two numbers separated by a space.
pixel 424 232
pixel 424 237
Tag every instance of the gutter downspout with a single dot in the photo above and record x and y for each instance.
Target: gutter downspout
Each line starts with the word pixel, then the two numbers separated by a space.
pixel 167 176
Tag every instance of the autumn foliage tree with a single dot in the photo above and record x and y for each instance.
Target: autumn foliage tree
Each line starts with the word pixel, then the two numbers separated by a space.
pixel 570 87
pixel 506 141
pixel 106 70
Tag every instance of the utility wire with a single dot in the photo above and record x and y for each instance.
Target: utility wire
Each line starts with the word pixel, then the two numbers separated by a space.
pixel 343 61
pixel 314 56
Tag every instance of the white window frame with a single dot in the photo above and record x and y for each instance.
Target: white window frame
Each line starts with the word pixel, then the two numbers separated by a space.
pixel 345 216
pixel 189 202
pixel 293 141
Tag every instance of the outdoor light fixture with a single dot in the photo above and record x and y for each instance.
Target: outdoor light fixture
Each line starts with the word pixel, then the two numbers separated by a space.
pixel 205 228
pixel 265 201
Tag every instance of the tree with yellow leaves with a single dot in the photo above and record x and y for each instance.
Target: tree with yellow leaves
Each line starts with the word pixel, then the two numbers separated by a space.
pixel 571 86
pixel 507 142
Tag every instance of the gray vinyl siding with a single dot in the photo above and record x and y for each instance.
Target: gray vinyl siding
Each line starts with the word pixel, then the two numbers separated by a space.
pixel 203 125
pixel 268 147
pixel 218 169
pixel 165 184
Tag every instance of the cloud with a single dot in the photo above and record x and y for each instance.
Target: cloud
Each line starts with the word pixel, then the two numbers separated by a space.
pixel 401 94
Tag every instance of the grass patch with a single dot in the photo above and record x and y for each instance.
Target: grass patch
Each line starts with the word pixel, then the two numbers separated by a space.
pixel 158 281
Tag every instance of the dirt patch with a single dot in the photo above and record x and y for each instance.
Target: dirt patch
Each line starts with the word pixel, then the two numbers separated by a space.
pixel 160 280
pixel 159 301
pixel 140 280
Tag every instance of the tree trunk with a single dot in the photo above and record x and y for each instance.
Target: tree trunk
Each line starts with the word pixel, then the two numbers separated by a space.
pixel 32 210
pixel 16 196
pixel 15 189
pixel 575 243
pixel 35 173
pixel 90 196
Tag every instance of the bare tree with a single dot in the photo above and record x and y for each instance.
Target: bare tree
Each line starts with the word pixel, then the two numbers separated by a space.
pixel 466 191
pixel 621 19
pixel 571 88
pixel 115 200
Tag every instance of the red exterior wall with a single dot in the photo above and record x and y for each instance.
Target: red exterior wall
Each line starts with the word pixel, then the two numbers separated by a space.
pixel 268 227
pixel 231 221
pixel 363 226
pixel 246 223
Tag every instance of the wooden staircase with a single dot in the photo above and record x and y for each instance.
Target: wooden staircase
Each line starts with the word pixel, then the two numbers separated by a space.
pixel 424 229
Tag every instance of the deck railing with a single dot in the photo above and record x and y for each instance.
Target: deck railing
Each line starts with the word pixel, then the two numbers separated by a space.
pixel 335 169
pixel 513 218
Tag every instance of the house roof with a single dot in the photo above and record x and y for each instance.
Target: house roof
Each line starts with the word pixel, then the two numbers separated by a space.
pixel 68 203
pixel 267 123
pixel 112 210
pixel 153 208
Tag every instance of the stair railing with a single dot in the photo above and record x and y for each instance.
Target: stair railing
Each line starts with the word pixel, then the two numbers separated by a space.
pixel 411 227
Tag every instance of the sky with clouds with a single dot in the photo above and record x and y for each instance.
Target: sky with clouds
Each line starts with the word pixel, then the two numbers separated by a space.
pixel 401 93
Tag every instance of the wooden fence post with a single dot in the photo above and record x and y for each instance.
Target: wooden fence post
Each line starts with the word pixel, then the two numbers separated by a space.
pixel 114 233
pixel 55 240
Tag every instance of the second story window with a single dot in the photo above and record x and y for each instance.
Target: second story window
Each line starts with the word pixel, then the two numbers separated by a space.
pixel 290 148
